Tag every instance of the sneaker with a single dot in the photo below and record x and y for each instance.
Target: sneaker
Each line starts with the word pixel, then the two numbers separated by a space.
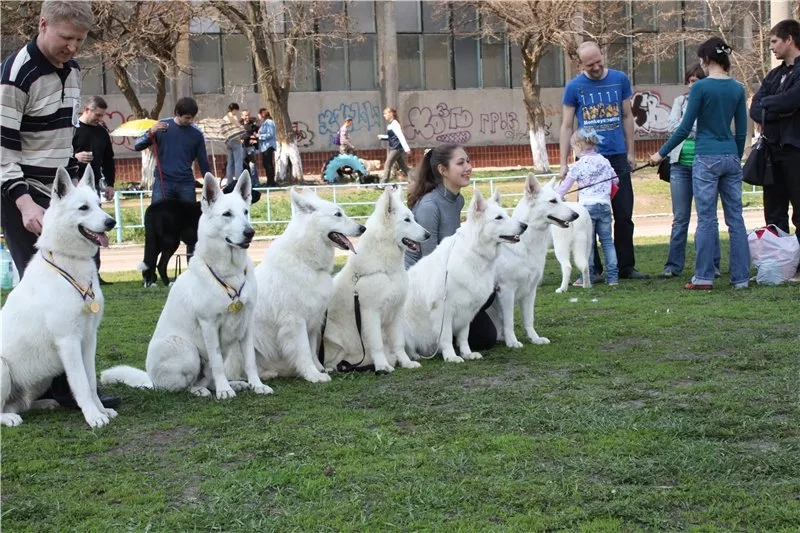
pixel 742 285
pixel 613 283
pixel 634 274
pixel 691 286
pixel 667 274
pixel 578 283
pixel 795 278
pixel 597 279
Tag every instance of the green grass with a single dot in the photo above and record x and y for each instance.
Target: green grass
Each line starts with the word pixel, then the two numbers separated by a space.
pixel 653 409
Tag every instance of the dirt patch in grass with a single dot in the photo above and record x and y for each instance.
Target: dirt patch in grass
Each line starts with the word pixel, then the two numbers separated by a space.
pixel 159 439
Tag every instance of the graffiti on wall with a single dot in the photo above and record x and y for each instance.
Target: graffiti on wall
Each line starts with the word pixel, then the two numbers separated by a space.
pixel 365 115
pixel 445 124
pixel 650 115
pixel 302 134
pixel 115 119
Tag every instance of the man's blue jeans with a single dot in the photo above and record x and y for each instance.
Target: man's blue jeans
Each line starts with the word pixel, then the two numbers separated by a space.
pixel 235 164
pixel 181 190
pixel 719 176
pixel 680 186
pixel 601 226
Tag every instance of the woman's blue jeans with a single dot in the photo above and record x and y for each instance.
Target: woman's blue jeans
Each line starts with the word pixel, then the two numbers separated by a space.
pixel 680 186
pixel 719 176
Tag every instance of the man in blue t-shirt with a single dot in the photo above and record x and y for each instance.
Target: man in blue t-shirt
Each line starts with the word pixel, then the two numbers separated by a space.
pixel 178 143
pixel 600 98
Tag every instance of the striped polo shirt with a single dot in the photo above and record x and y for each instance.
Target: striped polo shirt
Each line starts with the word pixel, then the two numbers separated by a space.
pixel 39 107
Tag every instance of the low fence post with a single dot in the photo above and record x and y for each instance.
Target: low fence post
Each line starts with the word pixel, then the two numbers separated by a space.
pixel 118 215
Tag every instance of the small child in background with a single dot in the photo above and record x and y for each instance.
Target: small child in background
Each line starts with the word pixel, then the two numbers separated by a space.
pixel 345 145
pixel 594 176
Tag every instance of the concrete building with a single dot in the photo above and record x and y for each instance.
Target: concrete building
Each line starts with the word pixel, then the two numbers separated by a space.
pixel 447 87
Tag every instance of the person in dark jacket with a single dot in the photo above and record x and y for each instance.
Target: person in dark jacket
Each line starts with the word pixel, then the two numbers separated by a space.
pixel 779 97
pixel 92 145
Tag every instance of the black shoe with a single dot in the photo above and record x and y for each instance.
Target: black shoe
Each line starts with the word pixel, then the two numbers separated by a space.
pixel 634 274
pixel 597 279
pixel 104 282
pixel 109 402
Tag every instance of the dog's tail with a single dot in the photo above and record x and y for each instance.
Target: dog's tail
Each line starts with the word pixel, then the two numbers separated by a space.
pixel 127 375
pixel 142 266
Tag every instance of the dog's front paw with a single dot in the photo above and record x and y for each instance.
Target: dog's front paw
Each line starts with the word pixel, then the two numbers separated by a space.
pixel 513 343
pixel 238 385
pixel 225 393
pixel 452 359
pixel 318 377
pixel 561 290
pixel 203 392
pixel 539 340
pixel 110 413
pixel 10 419
pixel 262 389
pixel 471 356
pixel 96 419
pixel 384 368
pixel 410 364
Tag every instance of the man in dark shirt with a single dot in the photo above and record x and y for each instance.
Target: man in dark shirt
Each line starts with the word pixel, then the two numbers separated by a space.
pixel 92 145
pixel 250 144
pixel 779 98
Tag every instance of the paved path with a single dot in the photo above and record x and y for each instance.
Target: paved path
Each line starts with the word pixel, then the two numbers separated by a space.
pixel 121 258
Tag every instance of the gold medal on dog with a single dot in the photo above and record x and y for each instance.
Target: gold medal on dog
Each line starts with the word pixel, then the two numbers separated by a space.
pixel 93 307
pixel 235 307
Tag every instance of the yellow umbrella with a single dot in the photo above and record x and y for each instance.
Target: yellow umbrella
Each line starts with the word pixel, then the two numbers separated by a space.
pixel 134 128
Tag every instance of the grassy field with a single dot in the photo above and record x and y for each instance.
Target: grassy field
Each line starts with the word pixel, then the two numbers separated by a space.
pixel 653 409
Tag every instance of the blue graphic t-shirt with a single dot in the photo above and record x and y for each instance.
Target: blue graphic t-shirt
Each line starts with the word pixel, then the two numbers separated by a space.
pixel 598 106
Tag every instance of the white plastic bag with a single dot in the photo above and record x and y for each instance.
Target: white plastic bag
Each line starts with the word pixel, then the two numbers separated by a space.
pixel 774 253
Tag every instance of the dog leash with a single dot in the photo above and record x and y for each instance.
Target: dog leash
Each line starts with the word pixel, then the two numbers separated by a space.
pixel 444 301
pixel 346 366
pixel 609 179
pixel 158 165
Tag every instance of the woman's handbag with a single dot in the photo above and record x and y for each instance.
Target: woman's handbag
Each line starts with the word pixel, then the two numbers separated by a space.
pixel 663 169
pixel 757 169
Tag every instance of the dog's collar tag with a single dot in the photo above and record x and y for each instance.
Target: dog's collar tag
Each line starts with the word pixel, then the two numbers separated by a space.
pixel 93 307
pixel 236 306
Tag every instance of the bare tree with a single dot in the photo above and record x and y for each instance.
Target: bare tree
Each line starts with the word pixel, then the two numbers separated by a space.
pixel 137 41
pixel 279 34
pixel 538 27
pixel 127 36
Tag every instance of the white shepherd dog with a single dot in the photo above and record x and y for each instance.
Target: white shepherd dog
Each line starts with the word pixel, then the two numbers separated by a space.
pixel 520 267
pixel 575 240
pixel 294 287
pixel 208 317
pixel 447 288
pixel 377 275
pixel 50 319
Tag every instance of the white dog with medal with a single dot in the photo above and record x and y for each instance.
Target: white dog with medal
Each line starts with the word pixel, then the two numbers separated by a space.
pixel 209 313
pixel 50 319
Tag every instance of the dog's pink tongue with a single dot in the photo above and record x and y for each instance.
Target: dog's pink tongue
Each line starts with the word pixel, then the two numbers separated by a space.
pixel 103 238
pixel 349 244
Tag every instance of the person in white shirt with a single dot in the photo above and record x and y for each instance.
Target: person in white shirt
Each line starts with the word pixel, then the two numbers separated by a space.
pixel 398 146
pixel 594 176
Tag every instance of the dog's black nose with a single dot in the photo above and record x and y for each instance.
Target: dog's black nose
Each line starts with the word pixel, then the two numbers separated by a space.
pixel 524 227
pixel 249 232
pixel 361 230
pixel 110 223
pixel 427 235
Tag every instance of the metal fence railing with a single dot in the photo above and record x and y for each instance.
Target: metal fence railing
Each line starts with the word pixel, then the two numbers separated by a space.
pixel 338 193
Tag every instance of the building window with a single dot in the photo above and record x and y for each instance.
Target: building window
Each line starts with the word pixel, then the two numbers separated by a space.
pixel 362 64
pixel 237 63
pixel 206 57
pixel 408 62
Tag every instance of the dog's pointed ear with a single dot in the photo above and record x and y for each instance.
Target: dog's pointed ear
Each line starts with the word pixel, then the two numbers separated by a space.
pixel 244 186
pixel 478 204
pixel 387 200
pixel 496 196
pixel 300 202
pixel 88 178
pixel 211 190
pixel 62 184
pixel 532 185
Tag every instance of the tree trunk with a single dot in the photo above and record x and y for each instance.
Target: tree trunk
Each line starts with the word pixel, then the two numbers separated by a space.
pixel 533 106
pixel 123 81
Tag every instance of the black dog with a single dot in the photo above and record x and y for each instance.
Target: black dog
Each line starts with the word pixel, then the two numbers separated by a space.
pixel 166 224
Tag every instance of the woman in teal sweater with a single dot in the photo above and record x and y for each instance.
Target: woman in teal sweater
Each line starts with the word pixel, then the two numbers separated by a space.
pixel 715 102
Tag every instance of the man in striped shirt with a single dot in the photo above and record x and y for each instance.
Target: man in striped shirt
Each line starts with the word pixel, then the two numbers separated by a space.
pixel 40 95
